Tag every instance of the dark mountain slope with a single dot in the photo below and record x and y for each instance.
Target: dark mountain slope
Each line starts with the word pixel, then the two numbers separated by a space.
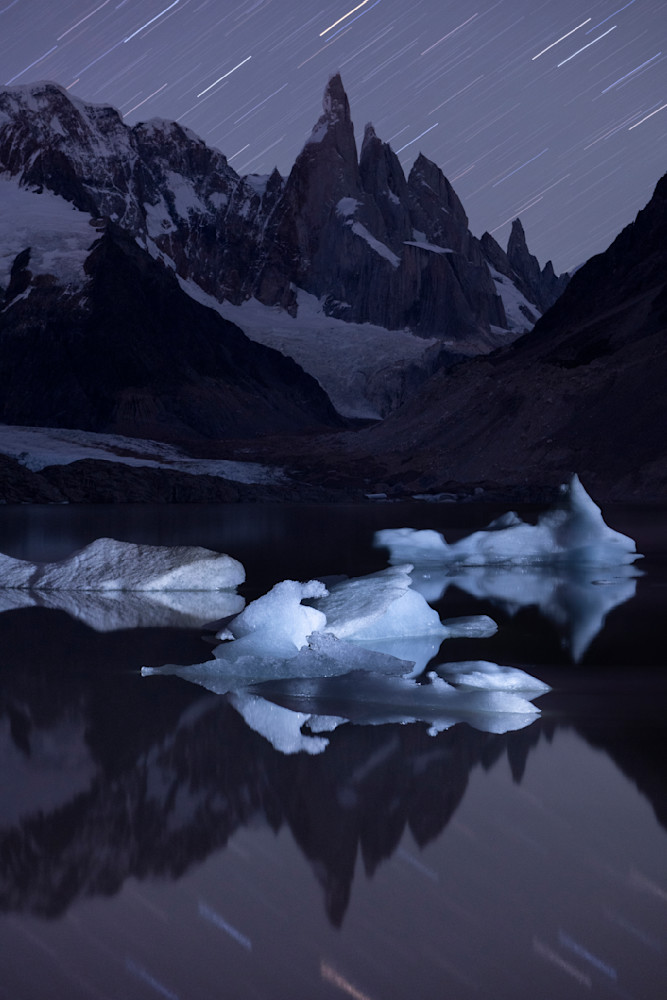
pixel 131 353
pixel 585 391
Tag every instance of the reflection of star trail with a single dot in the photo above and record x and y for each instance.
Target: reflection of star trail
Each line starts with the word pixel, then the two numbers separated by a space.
pixel 329 975
pixel 207 913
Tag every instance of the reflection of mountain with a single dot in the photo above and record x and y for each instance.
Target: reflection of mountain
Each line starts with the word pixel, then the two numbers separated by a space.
pixel 143 804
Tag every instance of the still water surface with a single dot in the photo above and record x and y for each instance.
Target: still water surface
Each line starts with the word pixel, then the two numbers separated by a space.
pixel 153 845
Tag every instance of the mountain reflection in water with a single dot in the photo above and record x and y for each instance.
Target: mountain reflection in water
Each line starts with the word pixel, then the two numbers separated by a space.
pixel 144 817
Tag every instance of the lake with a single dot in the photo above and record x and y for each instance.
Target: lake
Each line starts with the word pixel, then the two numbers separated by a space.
pixel 154 844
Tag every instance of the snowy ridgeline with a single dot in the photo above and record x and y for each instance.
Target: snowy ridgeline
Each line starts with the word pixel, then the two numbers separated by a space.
pixel 357 650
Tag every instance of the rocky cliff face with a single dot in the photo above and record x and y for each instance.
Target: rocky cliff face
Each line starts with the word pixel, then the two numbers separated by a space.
pixel 584 392
pixel 350 229
pixel 126 350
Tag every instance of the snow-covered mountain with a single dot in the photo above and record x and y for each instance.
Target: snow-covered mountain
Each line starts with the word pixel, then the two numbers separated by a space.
pixel 344 238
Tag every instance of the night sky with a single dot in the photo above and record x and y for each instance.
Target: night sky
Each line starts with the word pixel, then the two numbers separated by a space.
pixel 554 111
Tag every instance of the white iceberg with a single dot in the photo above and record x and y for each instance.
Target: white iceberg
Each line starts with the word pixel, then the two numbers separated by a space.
pixel 378 606
pixel 475 675
pixel 375 623
pixel 572 531
pixel 279 616
pixel 109 565
pixel 247 662
pixel 383 612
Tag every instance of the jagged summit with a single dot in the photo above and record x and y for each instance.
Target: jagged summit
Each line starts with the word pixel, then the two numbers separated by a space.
pixel 334 102
pixel 349 229
pixel 352 231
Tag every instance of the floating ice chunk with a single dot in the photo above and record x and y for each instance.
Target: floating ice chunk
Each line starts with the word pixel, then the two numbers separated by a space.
pixel 280 726
pixel 570 532
pixel 374 699
pixel 281 615
pixel 378 606
pixel 108 564
pixel 470 627
pixel 481 674
pixel 253 660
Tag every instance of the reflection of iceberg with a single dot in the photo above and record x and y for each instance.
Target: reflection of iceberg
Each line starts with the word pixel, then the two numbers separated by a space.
pixel 337 653
pixel 107 611
pixel 322 703
pixel 280 726
pixel 575 598
pixel 108 564
pixel 571 532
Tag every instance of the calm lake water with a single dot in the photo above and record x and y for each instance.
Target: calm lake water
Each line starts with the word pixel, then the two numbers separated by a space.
pixel 152 844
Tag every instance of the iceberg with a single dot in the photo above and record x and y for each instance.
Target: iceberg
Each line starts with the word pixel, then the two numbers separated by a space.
pixel 241 664
pixel 383 612
pixel 474 675
pixel 572 531
pixel 279 618
pixel 374 623
pixel 110 565
pixel 378 606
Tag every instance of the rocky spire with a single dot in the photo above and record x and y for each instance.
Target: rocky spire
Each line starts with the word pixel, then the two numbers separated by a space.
pixel 383 181
pixel 540 286
pixel 435 207
pixel 334 128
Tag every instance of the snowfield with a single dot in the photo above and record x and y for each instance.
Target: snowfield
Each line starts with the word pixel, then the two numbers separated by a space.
pixel 38 447
pixel 59 236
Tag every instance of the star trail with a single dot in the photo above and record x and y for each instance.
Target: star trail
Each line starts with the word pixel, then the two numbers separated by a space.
pixel 538 104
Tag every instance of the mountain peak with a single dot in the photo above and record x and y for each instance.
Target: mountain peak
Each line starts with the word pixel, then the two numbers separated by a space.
pixel 335 103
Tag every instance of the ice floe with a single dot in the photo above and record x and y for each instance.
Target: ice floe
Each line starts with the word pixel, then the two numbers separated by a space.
pixel 111 565
pixel 572 531
pixel 346 653
pixel 477 675
pixel 374 623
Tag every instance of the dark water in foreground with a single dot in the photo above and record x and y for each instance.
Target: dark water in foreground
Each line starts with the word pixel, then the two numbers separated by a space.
pixel 153 845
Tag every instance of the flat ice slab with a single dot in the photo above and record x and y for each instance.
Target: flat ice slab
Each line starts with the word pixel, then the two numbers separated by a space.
pixel 572 531
pixel 108 564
